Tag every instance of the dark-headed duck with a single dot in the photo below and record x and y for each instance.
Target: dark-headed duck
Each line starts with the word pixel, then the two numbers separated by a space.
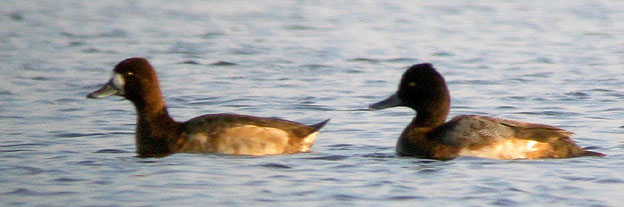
pixel 157 134
pixel 423 89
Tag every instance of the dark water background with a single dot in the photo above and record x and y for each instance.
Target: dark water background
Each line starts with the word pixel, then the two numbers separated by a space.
pixel 559 63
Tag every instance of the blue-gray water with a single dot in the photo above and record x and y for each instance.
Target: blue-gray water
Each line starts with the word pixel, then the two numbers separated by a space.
pixel 558 63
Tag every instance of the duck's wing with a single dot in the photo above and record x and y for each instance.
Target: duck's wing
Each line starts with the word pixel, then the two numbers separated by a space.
pixel 473 130
pixel 222 121
pixel 249 135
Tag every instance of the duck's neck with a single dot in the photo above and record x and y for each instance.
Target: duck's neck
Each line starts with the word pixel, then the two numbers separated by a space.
pixel 432 115
pixel 414 139
pixel 429 119
pixel 155 129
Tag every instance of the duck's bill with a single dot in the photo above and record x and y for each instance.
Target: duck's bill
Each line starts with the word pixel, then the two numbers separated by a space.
pixel 390 102
pixel 107 90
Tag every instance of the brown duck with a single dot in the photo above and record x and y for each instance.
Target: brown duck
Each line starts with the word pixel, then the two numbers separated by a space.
pixel 157 134
pixel 423 89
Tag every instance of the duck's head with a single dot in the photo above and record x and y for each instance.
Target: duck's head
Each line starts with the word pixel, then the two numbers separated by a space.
pixel 422 88
pixel 132 78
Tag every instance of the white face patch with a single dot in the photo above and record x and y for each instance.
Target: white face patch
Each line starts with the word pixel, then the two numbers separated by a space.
pixel 119 82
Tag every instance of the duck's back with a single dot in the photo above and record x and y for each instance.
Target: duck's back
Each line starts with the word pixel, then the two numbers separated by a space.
pixel 489 137
pixel 246 135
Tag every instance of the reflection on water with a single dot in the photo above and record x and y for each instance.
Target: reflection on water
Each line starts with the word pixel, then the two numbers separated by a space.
pixel 306 61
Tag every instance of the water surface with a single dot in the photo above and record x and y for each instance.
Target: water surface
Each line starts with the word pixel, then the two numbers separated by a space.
pixel 558 63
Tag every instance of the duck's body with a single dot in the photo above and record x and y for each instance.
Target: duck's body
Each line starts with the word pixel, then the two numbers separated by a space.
pixel 488 137
pixel 423 89
pixel 157 134
pixel 224 134
pixel 247 135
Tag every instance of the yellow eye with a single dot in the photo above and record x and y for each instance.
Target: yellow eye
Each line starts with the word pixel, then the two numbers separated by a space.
pixel 411 84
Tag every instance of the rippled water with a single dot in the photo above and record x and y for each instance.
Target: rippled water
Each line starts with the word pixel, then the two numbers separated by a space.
pixel 559 63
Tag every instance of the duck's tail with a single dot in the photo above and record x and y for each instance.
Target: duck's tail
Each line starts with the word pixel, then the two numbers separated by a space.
pixel 592 153
pixel 318 126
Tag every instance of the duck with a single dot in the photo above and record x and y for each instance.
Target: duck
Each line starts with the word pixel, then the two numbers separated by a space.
pixel 159 135
pixel 429 136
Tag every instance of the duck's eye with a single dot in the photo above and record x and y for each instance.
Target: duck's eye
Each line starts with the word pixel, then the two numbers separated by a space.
pixel 411 84
pixel 129 73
